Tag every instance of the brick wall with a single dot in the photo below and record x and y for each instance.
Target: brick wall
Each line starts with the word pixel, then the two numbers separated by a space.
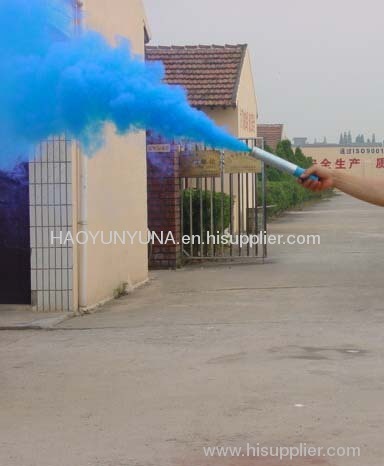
pixel 164 204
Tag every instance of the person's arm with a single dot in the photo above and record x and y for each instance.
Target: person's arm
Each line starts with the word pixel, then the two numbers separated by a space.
pixel 368 189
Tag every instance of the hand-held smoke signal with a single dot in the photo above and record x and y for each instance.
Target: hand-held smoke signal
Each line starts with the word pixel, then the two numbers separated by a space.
pixel 280 163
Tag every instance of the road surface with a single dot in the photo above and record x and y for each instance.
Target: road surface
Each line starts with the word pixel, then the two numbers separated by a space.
pixel 270 355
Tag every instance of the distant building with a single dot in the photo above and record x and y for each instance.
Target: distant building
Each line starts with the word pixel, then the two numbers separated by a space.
pixel 272 134
pixel 300 142
pixel 345 139
pixel 361 156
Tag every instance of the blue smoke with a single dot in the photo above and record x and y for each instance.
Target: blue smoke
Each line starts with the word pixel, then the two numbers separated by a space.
pixel 54 83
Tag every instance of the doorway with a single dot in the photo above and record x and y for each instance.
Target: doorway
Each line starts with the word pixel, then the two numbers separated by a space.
pixel 15 268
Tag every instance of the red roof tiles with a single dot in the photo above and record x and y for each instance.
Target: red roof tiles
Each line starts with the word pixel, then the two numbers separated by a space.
pixel 272 134
pixel 209 73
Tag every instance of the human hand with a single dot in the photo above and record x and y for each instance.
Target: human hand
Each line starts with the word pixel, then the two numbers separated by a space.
pixel 325 175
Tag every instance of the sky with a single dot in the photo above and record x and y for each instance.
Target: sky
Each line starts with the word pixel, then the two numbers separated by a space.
pixel 318 65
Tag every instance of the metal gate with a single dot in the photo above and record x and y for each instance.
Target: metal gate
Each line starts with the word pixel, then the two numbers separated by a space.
pixel 223 205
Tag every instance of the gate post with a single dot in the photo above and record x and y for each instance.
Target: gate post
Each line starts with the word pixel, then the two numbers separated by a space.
pixel 163 188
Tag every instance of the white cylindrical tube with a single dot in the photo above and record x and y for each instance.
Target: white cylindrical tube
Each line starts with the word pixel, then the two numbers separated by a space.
pixel 275 161
pixel 280 163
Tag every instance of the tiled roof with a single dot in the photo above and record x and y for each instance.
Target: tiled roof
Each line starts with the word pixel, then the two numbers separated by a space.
pixel 272 134
pixel 209 73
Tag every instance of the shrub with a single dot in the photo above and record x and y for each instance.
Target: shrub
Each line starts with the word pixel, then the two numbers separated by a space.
pixel 283 195
pixel 221 217
pixel 283 191
pixel 199 195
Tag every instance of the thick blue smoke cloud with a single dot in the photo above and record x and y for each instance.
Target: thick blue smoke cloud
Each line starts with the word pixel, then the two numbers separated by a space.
pixel 54 83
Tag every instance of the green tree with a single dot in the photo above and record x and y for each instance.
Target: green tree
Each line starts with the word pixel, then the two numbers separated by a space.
pixel 301 159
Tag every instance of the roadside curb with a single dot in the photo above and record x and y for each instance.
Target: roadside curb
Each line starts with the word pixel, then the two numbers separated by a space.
pixel 48 323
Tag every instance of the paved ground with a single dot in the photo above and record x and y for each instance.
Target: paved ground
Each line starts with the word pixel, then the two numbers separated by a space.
pixel 22 317
pixel 276 354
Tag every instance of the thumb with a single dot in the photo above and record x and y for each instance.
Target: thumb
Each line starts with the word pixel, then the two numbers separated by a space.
pixel 310 171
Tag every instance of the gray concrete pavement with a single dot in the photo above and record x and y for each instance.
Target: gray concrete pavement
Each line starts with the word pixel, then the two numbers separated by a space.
pixel 25 318
pixel 275 354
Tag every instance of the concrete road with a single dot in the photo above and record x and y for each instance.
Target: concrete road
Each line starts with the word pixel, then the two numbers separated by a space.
pixel 268 355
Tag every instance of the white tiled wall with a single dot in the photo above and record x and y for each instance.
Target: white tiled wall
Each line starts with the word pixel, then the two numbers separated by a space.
pixel 51 211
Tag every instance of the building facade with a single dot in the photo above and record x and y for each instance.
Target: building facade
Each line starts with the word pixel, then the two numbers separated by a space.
pixel 63 192
pixel 116 186
pixel 219 82
pixel 367 160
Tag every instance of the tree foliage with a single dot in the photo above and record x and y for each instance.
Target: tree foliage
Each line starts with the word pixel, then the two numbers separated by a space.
pixel 283 191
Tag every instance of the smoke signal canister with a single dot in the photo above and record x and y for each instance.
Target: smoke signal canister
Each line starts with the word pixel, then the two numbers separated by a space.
pixel 280 163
